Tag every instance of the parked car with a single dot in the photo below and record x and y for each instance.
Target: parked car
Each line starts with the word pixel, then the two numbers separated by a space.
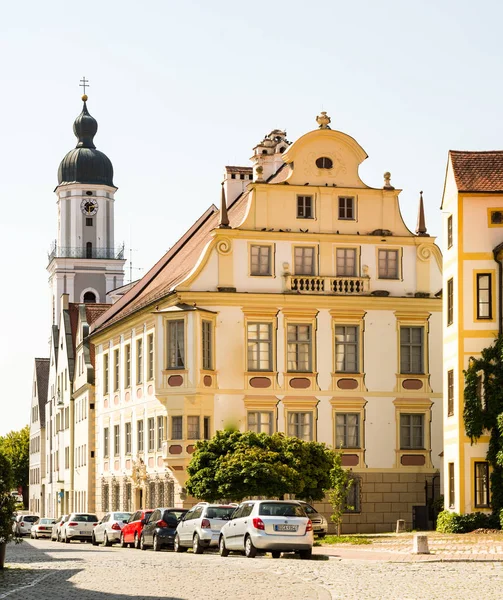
pixel 56 528
pixel 108 530
pixel 79 526
pixel 131 532
pixel 159 531
pixel 274 526
pixel 200 527
pixel 42 528
pixel 23 523
pixel 320 524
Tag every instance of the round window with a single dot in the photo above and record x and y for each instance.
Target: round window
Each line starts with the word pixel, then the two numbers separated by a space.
pixel 324 162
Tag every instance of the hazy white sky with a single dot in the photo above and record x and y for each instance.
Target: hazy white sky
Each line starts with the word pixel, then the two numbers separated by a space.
pixel 181 89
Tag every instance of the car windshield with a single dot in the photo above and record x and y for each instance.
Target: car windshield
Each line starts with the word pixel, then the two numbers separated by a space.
pixel 85 518
pixel 30 519
pixel 220 512
pixel 121 516
pixel 277 509
pixel 47 521
pixel 177 514
pixel 309 509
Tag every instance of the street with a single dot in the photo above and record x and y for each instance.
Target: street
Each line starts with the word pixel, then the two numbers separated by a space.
pixel 40 569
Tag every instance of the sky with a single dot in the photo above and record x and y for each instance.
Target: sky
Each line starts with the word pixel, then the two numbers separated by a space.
pixel 181 89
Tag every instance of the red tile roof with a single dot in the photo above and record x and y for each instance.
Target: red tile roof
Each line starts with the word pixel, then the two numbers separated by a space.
pixel 478 171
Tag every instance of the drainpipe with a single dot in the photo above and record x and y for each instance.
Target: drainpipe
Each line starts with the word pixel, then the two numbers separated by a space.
pixel 497 258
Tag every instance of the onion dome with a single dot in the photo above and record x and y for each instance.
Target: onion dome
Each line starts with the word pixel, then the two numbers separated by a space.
pixel 85 164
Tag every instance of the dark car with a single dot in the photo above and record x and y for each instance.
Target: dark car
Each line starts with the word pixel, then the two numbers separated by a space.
pixel 131 532
pixel 159 531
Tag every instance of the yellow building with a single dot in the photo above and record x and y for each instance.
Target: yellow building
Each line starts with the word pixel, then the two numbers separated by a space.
pixel 303 305
pixel 473 220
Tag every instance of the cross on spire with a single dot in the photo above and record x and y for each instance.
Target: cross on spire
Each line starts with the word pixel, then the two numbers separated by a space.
pixel 84 83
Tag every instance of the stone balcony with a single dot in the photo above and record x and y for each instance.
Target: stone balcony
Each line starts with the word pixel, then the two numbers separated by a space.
pixel 311 284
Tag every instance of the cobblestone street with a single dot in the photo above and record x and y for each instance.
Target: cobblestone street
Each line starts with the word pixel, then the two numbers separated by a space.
pixel 40 569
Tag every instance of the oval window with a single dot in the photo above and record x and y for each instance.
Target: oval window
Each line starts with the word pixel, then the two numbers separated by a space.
pixel 324 162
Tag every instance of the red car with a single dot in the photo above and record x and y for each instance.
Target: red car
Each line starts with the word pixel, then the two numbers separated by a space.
pixel 131 532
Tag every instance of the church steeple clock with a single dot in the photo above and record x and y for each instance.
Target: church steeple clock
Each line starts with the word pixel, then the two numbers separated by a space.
pixel 84 262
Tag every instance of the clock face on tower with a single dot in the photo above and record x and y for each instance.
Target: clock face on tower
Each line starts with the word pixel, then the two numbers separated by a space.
pixel 89 206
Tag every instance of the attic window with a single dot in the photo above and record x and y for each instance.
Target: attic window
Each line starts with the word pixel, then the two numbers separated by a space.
pixel 281 150
pixel 89 298
pixel 496 217
pixel 264 151
pixel 324 162
pixel 233 175
pixel 242 176
pixel 89 193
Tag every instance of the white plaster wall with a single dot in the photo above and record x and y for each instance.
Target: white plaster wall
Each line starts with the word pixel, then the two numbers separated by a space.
pixel 380 432
pixel 381 340
pixel 230 347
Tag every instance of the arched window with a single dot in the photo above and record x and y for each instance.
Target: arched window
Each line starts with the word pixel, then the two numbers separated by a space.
pixel 89 250
pixel 90 298
pixel 324 162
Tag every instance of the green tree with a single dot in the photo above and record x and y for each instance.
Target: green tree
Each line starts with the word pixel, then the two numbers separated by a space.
pixel 15 446
pixel 7 502
pixel 341 481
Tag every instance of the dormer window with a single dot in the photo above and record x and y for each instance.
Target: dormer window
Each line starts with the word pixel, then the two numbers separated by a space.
pixel 324 162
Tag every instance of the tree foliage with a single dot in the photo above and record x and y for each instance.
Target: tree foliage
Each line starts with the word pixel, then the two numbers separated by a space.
pixel 7 502
pixel 341 481
pixel 234 465
pixel 15 447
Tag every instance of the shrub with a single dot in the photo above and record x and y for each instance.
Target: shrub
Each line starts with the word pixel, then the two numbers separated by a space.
pixel 451 522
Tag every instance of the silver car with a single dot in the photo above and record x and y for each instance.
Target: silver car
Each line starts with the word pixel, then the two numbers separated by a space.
pixel 274 526
pixel 320 524
pixel 79 526
pixel 42 528
pixel 200 527
pixel 108 530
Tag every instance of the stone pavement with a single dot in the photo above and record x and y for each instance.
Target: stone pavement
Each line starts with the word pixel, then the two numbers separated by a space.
pixel 40 570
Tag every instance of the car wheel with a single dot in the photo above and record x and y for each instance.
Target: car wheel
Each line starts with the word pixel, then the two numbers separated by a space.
pixel 66 540
pixel 123 544
pixel 106 541
pixel 276 554
pixel 321 535
pixel 142 543
pixel 306 554
pixel 136 542
pixel 93 540
pixel 58 537
pixel 222 548
pixel 197 547
pixel 177 546
pixel 156 545
pixel 250 550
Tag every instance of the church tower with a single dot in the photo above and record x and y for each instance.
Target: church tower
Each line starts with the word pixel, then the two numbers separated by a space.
pixel 84 262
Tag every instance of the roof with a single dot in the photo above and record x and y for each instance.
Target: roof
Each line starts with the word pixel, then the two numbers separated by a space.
pixel 42 375
pixel 239 169
pixel 478 171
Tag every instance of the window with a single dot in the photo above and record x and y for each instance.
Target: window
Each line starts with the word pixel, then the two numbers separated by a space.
pixel 260 261
pixel 481 479
pixel 89 221
pixel 193 428
pixel 127 432
pixel 299 352
pixel 117 439
pixel 260 422
pixel 450 302
pixel 449 231
pixel 304 260
pixel 346 348
pixel 206 428
pixel 300 424
pixel 127 365
pixel 496 217
pixel 304 207
pixel 347 433
pixel 411 350
pixel 151 434
pixel 452 489
pixel 324 162
pixel 176 345
pixel 346 262
pixel 139 361
pixel 89 298
pixel 176 428
pixel 160 432
pixel 353 496
pixel 150 361
pixel 450 393
pixel 89 250
pixel 116 370
pixel 388 264
pixel 411 431
pixel 106 443
pixel 105 373
pixel 140 436
pixel 347 208
pixel 207 341
pixel 259 344
pixel 67 457
pixel 484 300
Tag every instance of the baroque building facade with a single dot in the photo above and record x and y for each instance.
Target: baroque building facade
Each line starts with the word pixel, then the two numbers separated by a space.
pixel 302 305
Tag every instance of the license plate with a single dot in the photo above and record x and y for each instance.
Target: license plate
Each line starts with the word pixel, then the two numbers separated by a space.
pixel 285 527
pixel 83 532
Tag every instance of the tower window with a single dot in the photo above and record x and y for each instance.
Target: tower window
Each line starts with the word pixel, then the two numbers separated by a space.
pixel 89 221
pixel 242 176
pixel 89 298
pixel 89 250
pixel 233 175
pixel 89 193
pixel 324 162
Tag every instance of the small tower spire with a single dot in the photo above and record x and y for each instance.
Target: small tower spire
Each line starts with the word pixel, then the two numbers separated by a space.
pixel 421 222
pixel 224 218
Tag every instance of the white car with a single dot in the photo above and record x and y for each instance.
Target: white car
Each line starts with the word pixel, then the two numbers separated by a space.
pixel 200 527
pixel 274 526
pixel 56 528
pixel 108 530
pixel 320 524
pixel 79 526
pixel 23 524
pixel 42 528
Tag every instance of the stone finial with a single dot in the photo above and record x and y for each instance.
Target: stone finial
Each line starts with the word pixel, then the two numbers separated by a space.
pixel 421 221
pixel 224 218
pixel 259 170
pixel 323 120
pixel 387 181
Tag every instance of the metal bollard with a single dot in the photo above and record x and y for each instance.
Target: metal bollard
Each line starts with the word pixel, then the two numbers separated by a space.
pixel 420 545
pixel 400 526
